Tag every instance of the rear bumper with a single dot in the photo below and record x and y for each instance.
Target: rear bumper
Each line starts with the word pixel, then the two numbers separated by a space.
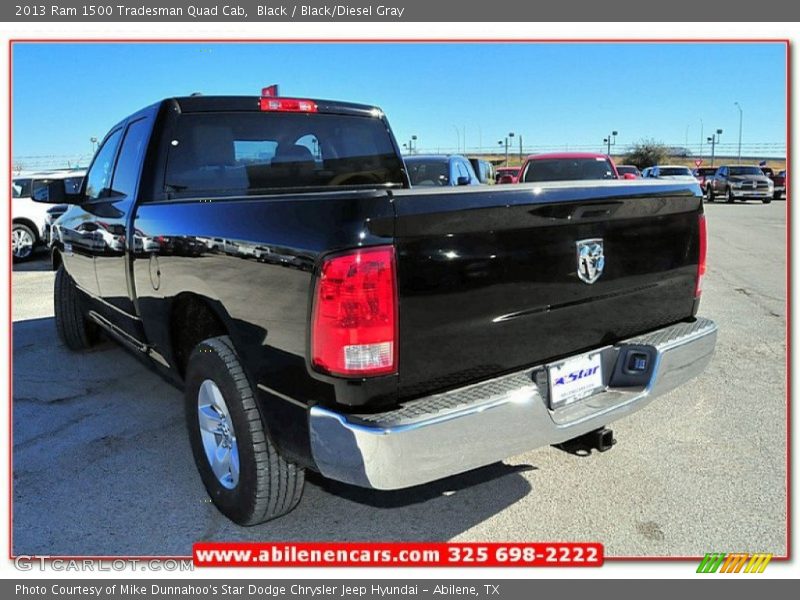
pixel 457 431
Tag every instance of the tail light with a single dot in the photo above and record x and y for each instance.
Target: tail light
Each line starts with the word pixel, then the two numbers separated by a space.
pixel 287 105
pixel 354 321
pixel 701 258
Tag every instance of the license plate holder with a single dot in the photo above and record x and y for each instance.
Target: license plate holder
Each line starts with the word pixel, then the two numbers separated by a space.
pixel 574 379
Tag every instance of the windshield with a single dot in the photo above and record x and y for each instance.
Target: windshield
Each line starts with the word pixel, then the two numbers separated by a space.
pixel 428 172
pixel 568 169
pixel 745 171
pixel 246 152
pixel 20 188
pixel 673 171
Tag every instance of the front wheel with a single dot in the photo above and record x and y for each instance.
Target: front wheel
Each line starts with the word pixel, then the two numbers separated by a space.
pixel 710 194
pixel 729 196
pixel 74 329
pixel 246 478
pixel 766 200
pixel 23 241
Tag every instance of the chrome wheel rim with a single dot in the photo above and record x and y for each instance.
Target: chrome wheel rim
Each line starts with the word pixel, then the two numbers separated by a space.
pixel 21 243
pixel 217 434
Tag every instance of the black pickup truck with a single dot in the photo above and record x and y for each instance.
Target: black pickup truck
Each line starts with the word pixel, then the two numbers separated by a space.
pixel 269 256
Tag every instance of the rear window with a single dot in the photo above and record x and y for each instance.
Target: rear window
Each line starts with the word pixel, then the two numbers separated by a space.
pixel 252 152
pixel 568 169
pixel 622 170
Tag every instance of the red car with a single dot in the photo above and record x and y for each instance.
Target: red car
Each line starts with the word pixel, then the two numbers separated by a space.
pixel 569 166
pixel 702 174
pixel 506 174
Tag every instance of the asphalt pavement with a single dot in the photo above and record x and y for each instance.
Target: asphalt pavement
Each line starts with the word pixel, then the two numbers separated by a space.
pixel 102 464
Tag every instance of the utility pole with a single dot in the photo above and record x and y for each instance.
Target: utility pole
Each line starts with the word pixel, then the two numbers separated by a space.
pixel 739 156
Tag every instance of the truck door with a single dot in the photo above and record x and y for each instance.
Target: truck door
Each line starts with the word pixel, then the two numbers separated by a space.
pixel 123 240
pixel 78 237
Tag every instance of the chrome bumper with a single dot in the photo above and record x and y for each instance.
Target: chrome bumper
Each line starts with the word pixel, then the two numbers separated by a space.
pixel 751 193
pixel 457 431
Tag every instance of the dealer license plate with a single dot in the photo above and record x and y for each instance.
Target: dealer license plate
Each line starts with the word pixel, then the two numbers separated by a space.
pixel 575 379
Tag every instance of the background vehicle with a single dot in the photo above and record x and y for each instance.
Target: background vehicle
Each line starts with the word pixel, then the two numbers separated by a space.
pixel 28 218
pixel 702 175
pixel 676 172
pixel 740 182
pixel 506 174
pixel 440 170
pixel 483 169
pixel 409 334
pixel 633 170
pixel 568 166
pixel 779 183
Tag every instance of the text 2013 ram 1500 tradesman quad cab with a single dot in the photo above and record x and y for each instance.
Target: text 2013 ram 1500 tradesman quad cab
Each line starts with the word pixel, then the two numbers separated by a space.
pixel 268 255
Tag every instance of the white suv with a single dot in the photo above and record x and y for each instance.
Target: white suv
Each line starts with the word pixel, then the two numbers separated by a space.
pixel 29 218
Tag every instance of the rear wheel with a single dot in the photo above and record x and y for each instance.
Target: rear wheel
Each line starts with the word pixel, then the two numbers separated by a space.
pixel 729 196
pixel 766 200
pixel 74 329
pixel 776 195
pixel 246 478
pixel 23 241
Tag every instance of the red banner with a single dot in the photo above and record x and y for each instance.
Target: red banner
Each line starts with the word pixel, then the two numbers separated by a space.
pixel 396 554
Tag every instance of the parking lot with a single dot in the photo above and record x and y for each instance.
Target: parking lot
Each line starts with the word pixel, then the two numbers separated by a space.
pixel 102 464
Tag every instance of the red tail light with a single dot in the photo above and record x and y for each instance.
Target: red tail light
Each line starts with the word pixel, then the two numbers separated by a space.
pixel 354 322
pixel 701 259
pixel 287 105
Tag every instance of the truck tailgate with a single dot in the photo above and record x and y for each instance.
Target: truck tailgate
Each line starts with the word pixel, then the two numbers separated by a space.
pixel 488 278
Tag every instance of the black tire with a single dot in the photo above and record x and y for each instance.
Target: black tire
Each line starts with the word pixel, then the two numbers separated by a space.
pixel 268 486
pixel 74 329
pixel 711 194
pixel 776 195
pixel 729 196
pixel 23 253
pixel 766 200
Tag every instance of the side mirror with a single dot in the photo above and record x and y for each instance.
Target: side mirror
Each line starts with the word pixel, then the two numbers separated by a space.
pixel 463 181
pixel 52 191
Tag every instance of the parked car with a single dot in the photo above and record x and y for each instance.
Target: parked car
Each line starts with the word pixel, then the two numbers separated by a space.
pixel 568 166
pixel 419 333
pixel 506 174
pixel 702 174
pixel 676 172
pixel 740 182
pixel 779 183
pixel 440 170
pixel 483 169
pixel 631 170
pixel 28 218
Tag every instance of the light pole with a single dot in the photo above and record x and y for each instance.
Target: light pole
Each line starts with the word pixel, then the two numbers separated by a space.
pixel 93 142
pixel 458 139
pixel 702 146
pixel 739 157
pixel 714 140
pixel 411 144
pixel 500 143
pixel 611 140
pixel 520 148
